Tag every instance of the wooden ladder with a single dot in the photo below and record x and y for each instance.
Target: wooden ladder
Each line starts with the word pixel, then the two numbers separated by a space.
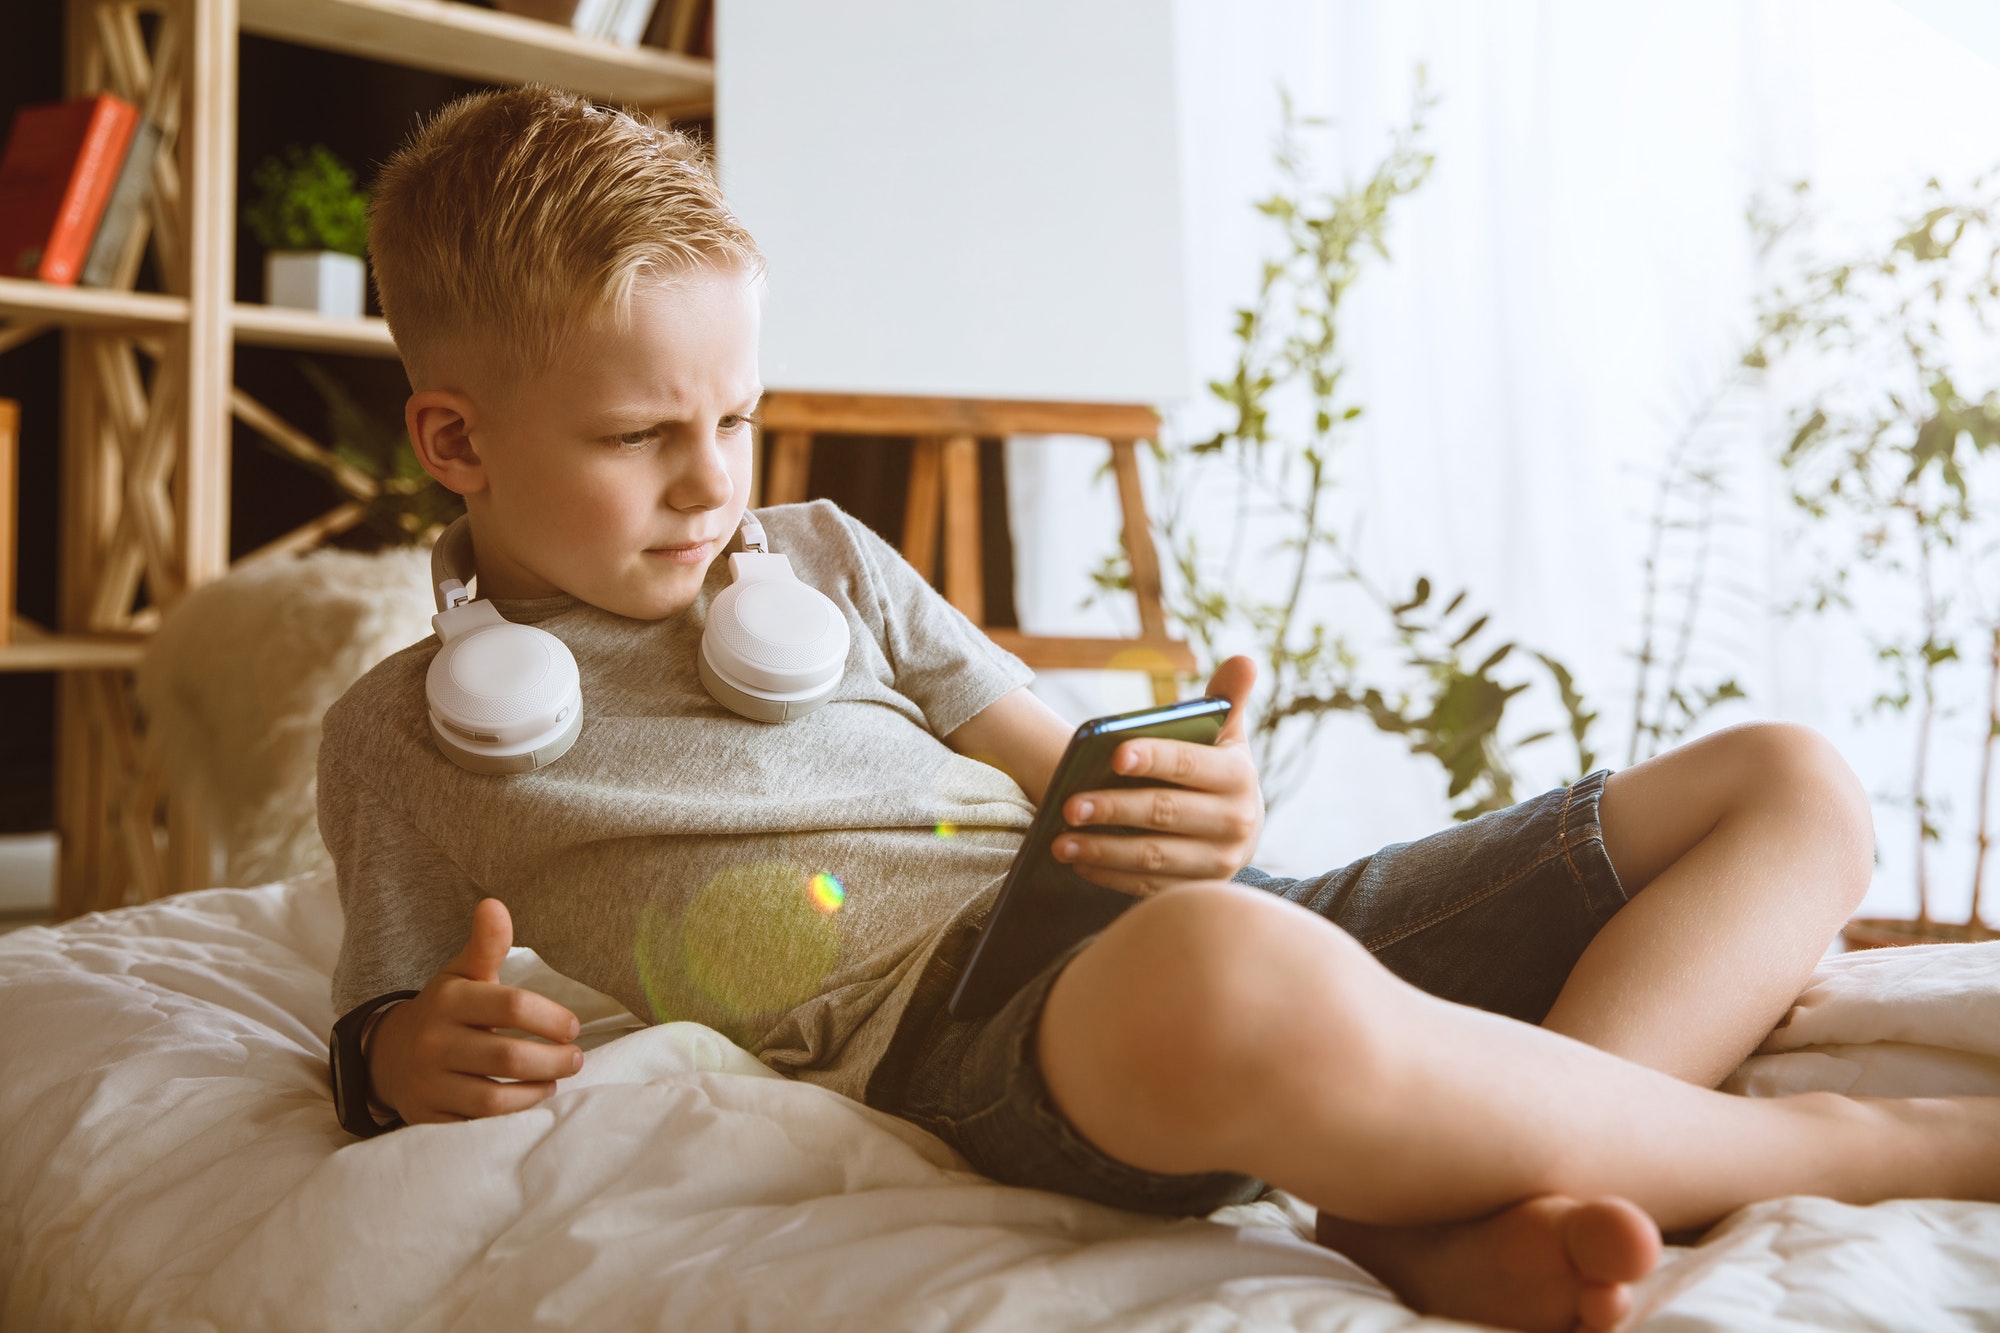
pixel 944 496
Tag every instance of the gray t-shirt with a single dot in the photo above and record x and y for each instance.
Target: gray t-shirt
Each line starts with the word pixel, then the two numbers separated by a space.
pixel 783 884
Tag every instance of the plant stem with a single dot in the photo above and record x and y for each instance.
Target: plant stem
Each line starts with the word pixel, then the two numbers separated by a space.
pixel 1669 477
pixel 1983 842
pixel 1924 720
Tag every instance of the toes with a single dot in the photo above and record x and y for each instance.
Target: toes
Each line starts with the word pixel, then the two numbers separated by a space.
pixel 1599 1307
pixel 1611 1241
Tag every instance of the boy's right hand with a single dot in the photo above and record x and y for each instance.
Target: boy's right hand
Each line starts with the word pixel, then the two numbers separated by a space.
pixel 436 1057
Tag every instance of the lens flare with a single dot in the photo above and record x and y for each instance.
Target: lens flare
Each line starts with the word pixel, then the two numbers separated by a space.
pixel 746 948
pixel 946 830
pixel 827 892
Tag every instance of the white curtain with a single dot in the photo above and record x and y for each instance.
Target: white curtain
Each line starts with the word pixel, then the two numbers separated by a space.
pixel 1572 280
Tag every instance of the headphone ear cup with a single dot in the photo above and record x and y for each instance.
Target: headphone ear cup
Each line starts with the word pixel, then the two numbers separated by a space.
pixel 774 648
pixel 504 698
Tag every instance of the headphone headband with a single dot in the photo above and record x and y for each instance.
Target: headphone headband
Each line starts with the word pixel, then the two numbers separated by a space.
pixel 451 562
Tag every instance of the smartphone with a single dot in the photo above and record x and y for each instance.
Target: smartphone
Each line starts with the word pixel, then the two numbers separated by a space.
pixel 1044 905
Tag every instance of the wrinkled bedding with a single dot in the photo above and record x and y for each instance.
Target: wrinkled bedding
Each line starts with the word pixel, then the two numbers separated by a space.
pixel 169 1159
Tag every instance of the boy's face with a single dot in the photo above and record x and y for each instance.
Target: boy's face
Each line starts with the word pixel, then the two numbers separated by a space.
pixel 621 476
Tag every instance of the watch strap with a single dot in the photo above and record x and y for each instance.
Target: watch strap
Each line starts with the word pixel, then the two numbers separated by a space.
pixel 352 1090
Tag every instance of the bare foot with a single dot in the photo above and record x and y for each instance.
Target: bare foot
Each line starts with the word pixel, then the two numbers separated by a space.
pixel 1549 1265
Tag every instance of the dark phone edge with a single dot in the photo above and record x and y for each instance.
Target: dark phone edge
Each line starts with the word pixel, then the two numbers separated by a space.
pixel 1087 731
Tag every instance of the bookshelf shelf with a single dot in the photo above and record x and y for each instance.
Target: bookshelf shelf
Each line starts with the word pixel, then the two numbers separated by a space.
pixel 72 652
pixel 276 326
pixel 490 46
pixel 25 301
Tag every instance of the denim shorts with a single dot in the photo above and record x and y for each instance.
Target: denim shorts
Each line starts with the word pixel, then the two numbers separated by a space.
pixel 1493 912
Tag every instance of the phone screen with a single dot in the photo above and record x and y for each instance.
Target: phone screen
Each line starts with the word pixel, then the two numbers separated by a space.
pixel 1044 905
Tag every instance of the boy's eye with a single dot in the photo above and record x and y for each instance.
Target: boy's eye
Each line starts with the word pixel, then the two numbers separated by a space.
pixel 729 425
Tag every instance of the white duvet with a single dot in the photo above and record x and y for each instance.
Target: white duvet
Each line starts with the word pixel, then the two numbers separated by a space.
pixel 169 1159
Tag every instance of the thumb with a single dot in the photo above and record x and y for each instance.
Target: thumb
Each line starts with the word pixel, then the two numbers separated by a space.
pixel 1233 680
pixel 492 936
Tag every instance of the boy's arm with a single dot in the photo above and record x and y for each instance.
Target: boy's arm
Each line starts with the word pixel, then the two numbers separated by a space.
pixel 974 694
pixel 417 922
pixel 1019 735
pixel 1204 826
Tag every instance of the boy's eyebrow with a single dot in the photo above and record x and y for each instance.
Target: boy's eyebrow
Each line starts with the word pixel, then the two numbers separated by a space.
pixel 647 414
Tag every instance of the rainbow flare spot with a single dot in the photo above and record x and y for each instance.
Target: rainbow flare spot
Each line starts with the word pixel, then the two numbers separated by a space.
pixel 946 830
pixel 827 892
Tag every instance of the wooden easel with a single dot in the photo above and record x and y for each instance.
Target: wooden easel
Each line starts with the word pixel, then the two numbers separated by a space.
pixel 944 492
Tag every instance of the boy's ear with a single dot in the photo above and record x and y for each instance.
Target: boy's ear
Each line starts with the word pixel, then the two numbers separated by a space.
pixel 440 423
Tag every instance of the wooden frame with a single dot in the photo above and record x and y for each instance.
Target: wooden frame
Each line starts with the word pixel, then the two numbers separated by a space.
pixel 944 485
pixel 10 453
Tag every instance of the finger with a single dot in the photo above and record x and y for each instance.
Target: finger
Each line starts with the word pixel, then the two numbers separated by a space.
pixel 1197 814
pixel 1168 858
pixel 426 1116
pixel 486 1004
pixel 1233 680
pixel 474 1098
pixel 492 1056
pixel 492 935
pixel 1184 763
pixel 1138 885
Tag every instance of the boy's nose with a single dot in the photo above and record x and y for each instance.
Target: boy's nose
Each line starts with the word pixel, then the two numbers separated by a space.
pixel 704 483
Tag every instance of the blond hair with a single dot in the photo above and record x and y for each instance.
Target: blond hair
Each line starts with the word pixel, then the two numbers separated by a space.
pixel 516 216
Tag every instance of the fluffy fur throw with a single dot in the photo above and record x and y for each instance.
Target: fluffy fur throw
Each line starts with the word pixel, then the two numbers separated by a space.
pixel 233 687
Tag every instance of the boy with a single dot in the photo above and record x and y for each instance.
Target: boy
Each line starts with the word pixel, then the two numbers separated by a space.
pixel 578 314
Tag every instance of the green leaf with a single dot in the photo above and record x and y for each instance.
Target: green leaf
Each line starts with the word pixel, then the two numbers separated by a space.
pixel 1806 433
pixel 1422 595
pixel 1471 630
pixel 307 199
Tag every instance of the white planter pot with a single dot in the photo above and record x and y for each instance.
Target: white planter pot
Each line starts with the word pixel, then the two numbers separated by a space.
pixel 323 280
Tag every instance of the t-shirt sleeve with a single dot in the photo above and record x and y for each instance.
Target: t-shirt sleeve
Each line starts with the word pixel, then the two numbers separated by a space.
pixel 944 663
pixel 407 905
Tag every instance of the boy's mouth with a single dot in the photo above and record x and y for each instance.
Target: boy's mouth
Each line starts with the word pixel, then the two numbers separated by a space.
pixel 683 555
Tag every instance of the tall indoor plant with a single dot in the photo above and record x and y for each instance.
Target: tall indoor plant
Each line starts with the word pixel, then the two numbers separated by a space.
pixel 1884 454
pixel 1281 456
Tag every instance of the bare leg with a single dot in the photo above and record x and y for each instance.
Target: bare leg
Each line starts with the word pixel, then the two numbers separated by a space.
pixel 1743 853
pixel 1296 1058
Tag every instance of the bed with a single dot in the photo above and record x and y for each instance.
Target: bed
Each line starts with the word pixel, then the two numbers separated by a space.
pixel 169 1159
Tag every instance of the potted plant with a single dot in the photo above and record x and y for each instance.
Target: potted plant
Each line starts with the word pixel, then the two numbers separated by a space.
pixel 1282 453
pixel 312 219
pixel 1883 452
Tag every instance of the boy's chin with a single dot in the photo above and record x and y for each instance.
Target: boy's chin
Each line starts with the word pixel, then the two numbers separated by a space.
pixel 656 597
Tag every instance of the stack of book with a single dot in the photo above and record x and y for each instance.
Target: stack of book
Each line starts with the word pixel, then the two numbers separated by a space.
pixel 687 26
pixel 75 181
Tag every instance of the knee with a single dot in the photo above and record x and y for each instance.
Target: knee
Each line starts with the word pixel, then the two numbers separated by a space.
pixel 1805 775
pixel 1198 1002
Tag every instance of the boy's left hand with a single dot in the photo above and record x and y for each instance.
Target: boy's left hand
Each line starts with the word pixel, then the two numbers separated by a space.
pixel 1205 826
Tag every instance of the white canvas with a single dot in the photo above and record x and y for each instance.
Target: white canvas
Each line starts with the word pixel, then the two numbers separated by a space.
pixel 975 199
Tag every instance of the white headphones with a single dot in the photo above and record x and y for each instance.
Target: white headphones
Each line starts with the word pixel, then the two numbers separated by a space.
pixel 506 698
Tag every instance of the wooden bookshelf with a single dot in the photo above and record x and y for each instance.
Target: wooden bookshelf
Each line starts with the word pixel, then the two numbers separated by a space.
pixel 490 47
pixel 148 398
pixel 33 648
pixel 275 326
pixel 41 305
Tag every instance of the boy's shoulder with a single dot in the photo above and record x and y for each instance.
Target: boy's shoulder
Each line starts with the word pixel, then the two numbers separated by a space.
pixel 381 711
pixel 813 527
pixel 827 545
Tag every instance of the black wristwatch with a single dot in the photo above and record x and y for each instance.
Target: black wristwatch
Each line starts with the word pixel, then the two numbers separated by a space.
pixel 349 1066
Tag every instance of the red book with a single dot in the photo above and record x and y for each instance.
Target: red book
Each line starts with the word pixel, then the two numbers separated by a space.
pixel 60 163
